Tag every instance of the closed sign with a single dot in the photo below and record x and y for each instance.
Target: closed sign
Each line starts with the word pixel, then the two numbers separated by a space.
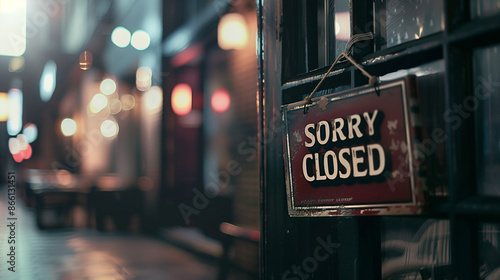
pixel 352 153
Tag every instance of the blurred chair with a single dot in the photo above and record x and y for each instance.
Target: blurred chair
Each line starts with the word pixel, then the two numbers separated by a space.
pixel 56 191
pixel 120 205
pixel 62 202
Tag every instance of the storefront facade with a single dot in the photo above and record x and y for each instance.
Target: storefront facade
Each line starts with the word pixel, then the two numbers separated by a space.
pixel 447 54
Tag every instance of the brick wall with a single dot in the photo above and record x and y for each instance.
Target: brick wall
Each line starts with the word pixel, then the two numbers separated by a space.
pixel 243 69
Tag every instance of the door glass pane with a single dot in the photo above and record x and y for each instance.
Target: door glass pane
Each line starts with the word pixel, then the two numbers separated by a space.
pixel 487 95
pixel 484 8
pixel 342 26
pixel 489 251
pixel 407 20
pixel 415 248
pixel 334 29
pixel 314 33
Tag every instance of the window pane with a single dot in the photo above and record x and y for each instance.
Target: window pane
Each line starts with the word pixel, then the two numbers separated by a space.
pixel 484 8
pixel 415 248
pixel 334 29
pixel 411 20
pixel 487 94
pixel 342 26
pixel 315 32
pixel 489 251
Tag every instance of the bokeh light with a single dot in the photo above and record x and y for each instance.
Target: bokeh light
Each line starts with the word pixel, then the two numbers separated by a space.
pixel 342 26
pixel 232 32
pixel 18 157
pixel 182 98
pixel 27 153
pixel 128 102
pixel 220 100
pixel 68 127
pixel 115 106
pixel 13 23
pixel 120 37
pixel 14 147
pixel 98 102
pixel 4 106
pixel 140 40
pixel 16 64
pixel 109 128
pixel 15 120
pixel 48 80
pixel 30 131
pixel 23 143
pixel 108 86
pixel 143 78
pixel 20 148
pixel 154 98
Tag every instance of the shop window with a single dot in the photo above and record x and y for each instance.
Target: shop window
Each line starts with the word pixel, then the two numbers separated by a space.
pixel 486 101
pixel 489 251
pixel 314 34
pixel 484 8
pixel 406 20
pixel 333 18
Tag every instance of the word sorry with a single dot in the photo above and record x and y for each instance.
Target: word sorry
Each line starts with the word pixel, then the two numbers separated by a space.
pixel 351 162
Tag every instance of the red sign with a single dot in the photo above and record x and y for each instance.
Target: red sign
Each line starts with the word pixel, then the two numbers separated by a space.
pixel 352 153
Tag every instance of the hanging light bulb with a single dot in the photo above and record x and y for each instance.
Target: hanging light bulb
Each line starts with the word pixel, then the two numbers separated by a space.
pixel 85 60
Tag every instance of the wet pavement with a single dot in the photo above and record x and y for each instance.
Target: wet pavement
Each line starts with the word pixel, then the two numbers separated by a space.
pixel 74 254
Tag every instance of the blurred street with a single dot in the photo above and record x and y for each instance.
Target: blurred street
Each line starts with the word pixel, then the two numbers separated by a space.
pixel 77 254
pixel 128 127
